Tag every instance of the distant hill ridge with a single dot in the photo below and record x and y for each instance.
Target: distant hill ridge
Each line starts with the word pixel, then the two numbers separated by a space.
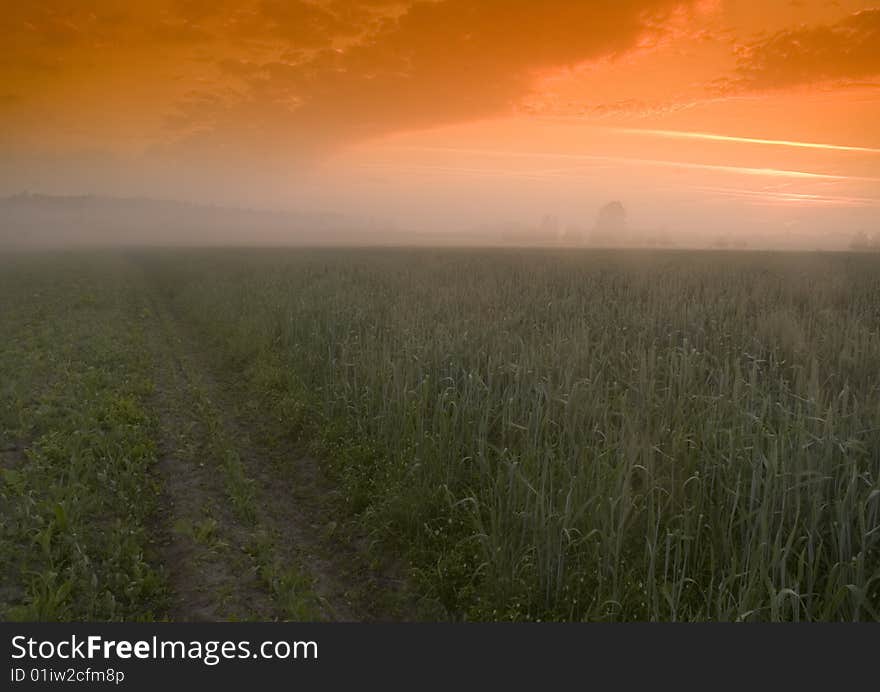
pixel 38 220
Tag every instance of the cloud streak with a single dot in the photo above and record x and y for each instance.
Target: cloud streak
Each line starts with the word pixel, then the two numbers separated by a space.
pixel 627 160
pixel 775 197
pixel 706 136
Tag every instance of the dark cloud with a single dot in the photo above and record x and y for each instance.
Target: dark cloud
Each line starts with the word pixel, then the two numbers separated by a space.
pixel 304 24
pixel 57 23
pixel 304 75
pixel 181 32
pixel 847 50
pixel 416 65
pixel 309 24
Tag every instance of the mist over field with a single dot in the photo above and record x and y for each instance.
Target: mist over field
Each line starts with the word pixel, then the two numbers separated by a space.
pixel 36 221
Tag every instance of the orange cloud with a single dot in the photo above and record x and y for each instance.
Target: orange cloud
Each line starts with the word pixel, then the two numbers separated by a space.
pixel 302 75
pixel 846 50
pixel 416 65
pixel 230 97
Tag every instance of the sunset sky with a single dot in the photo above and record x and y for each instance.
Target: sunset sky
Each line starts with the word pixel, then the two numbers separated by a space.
pixel 752 119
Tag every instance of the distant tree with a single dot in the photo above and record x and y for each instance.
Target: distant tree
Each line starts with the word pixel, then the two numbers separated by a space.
pixel 549 229
pixel 610 224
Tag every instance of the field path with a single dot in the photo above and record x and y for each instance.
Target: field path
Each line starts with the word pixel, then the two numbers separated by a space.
pixel 246 531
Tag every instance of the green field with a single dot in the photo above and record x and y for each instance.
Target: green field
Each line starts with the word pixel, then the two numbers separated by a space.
pixel 440 434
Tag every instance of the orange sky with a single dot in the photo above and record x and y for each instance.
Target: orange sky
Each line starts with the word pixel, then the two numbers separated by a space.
pixel 710 114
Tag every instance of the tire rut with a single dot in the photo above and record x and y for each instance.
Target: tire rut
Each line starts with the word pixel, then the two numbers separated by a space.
pixel 245 569
pixel 202 545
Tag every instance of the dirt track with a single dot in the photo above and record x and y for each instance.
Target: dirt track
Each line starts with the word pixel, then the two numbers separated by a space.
pixel 245 530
